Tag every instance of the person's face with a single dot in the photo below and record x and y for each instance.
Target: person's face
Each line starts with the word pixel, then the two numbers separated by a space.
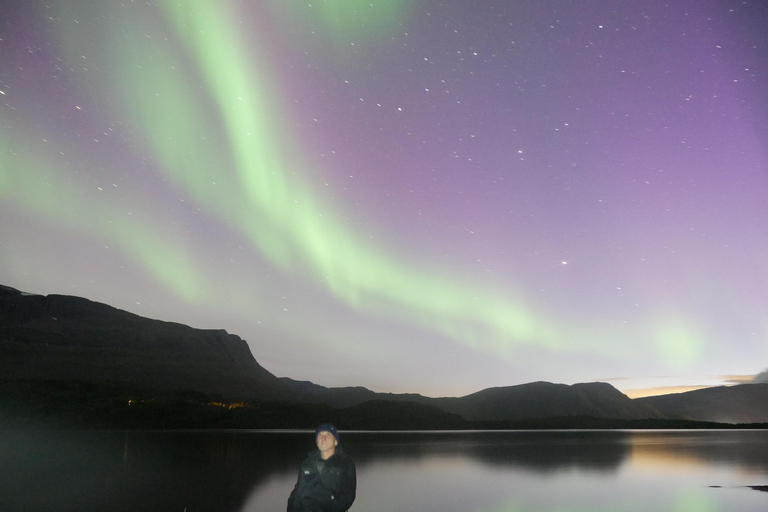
pixel 325 441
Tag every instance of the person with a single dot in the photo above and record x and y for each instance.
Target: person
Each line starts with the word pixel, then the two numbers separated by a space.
pixel 327 479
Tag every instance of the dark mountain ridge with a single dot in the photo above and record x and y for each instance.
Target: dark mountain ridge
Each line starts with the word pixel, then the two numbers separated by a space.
pixel 745 403
pixel 349 396
pixel 61 337
pixel 71 339
pixel 545 399
pixel 534 400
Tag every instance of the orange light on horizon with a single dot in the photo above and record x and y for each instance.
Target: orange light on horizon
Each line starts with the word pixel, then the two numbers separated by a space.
pixel 662 390
pixel 710 381
pixel 228 406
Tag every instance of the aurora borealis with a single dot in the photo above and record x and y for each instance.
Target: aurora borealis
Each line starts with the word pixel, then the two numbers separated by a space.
pixel 432 197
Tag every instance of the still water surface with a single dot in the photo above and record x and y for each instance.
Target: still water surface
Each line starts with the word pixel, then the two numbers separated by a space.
pixel 511 471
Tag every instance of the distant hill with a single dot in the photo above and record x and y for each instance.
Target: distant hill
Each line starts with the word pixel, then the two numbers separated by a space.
pixel 334 397
pixel 502 404
pixel 347 396
pixel 545 399
pixel 745 403
pixel 69 356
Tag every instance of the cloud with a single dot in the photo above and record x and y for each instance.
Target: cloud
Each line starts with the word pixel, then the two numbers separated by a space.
pixel 761 378
pixel 661 390
pixel 729 380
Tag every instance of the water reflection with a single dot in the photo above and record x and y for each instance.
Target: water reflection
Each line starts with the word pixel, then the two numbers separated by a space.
pixel 747 449
pixel 541 451
pixel 116 471
pixel 469 471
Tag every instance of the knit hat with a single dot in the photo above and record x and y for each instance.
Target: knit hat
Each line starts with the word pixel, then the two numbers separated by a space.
pixel 327 427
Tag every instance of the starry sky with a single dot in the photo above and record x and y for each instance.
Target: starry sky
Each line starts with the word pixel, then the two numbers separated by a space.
pixel 411 196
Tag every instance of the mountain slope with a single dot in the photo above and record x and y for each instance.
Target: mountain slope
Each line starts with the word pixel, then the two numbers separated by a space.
pixel 346 396
pixel 745 403
pixel 63 337
pixel 545 399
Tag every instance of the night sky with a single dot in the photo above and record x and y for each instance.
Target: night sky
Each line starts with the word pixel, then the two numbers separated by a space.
pixel 411 196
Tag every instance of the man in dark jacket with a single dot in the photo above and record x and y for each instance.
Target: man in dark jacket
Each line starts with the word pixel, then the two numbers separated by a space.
pixel 327 479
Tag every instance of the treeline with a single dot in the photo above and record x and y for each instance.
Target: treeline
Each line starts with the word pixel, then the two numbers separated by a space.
pixel 54 404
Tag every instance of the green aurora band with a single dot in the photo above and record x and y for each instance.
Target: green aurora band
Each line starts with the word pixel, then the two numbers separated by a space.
pixel 30 184
pixel 222 145
pixel 289 231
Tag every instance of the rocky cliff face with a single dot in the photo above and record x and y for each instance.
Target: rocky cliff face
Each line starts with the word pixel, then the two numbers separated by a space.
pixel 63 337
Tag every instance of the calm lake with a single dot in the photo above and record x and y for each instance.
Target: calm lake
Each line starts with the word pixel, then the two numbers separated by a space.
pixel 510 471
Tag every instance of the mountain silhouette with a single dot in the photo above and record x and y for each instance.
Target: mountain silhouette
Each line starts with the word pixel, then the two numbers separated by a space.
pixel 745 403
pixel 61 337
pixel 80 350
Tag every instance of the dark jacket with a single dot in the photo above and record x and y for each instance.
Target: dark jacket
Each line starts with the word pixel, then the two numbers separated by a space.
pixel 324 486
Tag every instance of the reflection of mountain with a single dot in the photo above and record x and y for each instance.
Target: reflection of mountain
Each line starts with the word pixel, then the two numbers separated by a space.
pixel 218 470
pixel 747 449
pixel 541 451
pixel 68 356
pixel 142 471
